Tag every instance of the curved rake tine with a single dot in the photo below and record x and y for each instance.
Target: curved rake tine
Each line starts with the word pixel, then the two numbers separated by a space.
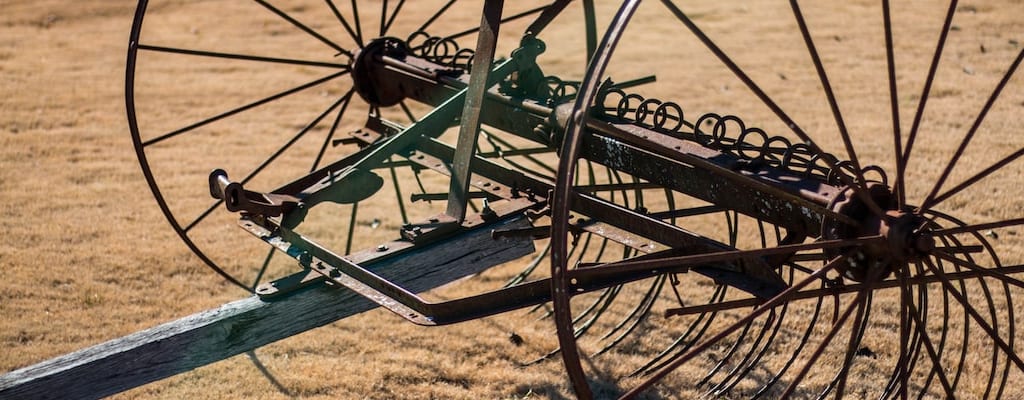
pixel 548 311
pixel 777 300
pixel 526 272
pixel 753 358
pixel 734 374
pixel 748 364
pixel 682 343
pixel 741 338
pixel 936 360
pixel 992 314
pixel 607 295
pixel 919 352
pixel 910 352
pixel 581 330
pixel 993 334
pixel 796 353
pixel 856 333
pixel 597 308
pixel 637 315
pixel 901 363
pixel 858 303
pixel 770 321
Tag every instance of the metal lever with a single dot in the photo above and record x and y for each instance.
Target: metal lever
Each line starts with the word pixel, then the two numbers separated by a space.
pixel 236 198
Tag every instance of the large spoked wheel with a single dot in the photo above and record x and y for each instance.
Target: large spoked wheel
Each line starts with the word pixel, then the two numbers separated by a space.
pixel 271 91
pixel 910 287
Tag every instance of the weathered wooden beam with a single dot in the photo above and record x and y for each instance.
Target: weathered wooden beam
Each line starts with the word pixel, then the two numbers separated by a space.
pixel 246 324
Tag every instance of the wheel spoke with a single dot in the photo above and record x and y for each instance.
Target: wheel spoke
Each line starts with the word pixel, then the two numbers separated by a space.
pixel 235 56
pixel 506 19
pixel 930 199
pixel 344 23
pixel 829 93
pixel 978 227
pixel 979 176
pixel 649 264
pixel 334 128
pixel 290 142
pixel 894 102
pixel 263 268
pixel 245 107
pixel 763 96
pixel 990 272
pixel 356 19
pixel 391 19
pixel 926 90
pixel 426 25
pixel 383 17
pixel 202 216
pixel 304 28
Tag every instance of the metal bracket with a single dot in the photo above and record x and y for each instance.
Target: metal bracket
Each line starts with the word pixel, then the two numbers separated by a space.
pixel 433 229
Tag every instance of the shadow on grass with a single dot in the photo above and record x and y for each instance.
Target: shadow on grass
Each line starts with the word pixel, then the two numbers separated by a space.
pixel 270 377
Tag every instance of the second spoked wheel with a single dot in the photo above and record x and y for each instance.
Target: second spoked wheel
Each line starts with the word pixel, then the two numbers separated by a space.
pixel 269 92
pixel 907 289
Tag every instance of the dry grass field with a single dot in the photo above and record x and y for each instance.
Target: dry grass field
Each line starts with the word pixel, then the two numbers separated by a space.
pixel 87 255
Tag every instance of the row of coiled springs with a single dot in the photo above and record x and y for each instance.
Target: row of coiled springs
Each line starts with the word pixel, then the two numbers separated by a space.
pixel 730 134
pixel 721 132
pixel 439 50
pixel 447 52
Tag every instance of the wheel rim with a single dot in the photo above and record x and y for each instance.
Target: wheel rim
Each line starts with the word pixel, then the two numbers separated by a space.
pixel 947 299
pixel 293 63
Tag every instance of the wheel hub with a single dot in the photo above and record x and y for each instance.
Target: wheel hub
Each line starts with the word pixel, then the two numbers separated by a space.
pixel 905 234
pixel 366 77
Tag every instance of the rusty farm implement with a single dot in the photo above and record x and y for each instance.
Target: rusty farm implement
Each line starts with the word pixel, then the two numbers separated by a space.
pixel 373 150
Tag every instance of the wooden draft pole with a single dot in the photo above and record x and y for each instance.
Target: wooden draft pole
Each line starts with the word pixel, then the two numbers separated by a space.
pixel 247 324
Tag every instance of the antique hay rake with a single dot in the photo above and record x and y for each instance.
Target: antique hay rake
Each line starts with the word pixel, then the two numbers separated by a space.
pixel 386 148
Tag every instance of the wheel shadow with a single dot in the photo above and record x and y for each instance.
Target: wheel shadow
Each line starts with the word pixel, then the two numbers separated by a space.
pixel 267 374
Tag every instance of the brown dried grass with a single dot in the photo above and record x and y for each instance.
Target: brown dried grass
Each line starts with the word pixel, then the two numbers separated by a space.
pixel 87 257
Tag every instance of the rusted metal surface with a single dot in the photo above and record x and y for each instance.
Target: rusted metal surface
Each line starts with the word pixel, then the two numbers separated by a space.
pixel 821 219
